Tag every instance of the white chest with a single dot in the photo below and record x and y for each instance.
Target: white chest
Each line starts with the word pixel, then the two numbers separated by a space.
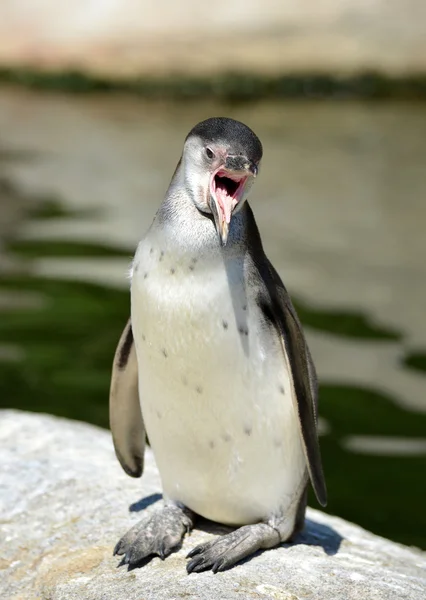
pixel 214 390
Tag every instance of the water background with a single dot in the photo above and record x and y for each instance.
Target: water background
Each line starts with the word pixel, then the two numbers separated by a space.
pixel 341 206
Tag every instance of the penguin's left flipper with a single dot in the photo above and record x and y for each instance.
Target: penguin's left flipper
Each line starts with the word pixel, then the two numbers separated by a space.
pixel 127 426
pixel 277 307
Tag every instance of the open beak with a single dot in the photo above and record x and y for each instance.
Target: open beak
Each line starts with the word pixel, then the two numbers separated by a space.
pixel 226 190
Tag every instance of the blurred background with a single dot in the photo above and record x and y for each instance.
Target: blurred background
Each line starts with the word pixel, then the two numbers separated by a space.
pixel 96 98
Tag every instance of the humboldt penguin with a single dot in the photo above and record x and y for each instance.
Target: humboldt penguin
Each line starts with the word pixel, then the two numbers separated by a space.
pixel 214 367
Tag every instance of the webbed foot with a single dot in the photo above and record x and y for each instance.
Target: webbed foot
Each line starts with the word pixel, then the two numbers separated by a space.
pixel 160 534
pixel 223 552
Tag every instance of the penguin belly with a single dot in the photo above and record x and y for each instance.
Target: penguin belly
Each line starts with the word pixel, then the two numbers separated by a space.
pixel 214 389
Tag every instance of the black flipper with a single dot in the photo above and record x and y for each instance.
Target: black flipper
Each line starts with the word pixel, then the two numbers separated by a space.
pixel 276 305
pixel 127 427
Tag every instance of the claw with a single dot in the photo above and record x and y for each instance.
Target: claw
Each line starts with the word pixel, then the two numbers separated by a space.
pixel 219 565
pixel 161 550
pixel 197 550
pixel 117 548
pixel 121 563
pixel 196 565
pixel 190 567
pixel 188 527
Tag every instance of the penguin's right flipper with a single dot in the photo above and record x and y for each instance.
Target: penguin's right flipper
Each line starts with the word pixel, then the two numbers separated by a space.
pixel 127 427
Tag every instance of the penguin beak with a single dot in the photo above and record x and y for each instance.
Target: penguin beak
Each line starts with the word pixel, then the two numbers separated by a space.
pixel 226 190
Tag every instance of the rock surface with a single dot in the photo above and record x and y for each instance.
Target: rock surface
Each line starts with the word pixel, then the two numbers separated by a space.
pixel 133 37
pixel 64 501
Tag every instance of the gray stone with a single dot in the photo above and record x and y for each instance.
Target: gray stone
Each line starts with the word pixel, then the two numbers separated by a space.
pixel 64 502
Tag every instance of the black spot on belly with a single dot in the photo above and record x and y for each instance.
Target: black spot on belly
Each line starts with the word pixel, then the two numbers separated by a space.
pixel 247 430
pixel 145 275
pixel 151 250
pixel 211 444
pixel 243 330
pixel 191 267
pixel 282 390
pixel 244 306
pixel 159 415
pixel 226 437
pixel 225 324
pixel 136 268
pixel 184 380
pixel 143 337
pixel 164 351
pixel 199 389
pixel 278 443
pixel 172 271
pixel 161 255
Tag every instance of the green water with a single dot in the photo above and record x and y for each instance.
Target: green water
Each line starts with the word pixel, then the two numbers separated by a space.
pixel 71 211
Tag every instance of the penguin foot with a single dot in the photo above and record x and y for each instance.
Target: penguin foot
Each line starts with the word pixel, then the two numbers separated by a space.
pixel 223 552
pixel 160 534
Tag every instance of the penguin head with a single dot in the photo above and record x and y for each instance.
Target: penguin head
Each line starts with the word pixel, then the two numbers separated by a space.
pixel 220 160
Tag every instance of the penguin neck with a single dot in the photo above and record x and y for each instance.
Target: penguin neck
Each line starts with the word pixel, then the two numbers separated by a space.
pixel 188 230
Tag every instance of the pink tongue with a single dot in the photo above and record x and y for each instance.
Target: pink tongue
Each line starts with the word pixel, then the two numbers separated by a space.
pixel 226 203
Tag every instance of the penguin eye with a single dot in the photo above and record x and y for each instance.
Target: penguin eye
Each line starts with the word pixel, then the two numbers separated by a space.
pixel 209 153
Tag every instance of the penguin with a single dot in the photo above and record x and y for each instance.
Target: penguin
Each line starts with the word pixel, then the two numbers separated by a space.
pixel 214 368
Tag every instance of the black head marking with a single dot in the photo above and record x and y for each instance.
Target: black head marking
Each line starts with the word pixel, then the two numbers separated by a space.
pixel 240 138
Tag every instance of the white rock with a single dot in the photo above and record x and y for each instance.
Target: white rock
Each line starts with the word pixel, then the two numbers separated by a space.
pixel 64 502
